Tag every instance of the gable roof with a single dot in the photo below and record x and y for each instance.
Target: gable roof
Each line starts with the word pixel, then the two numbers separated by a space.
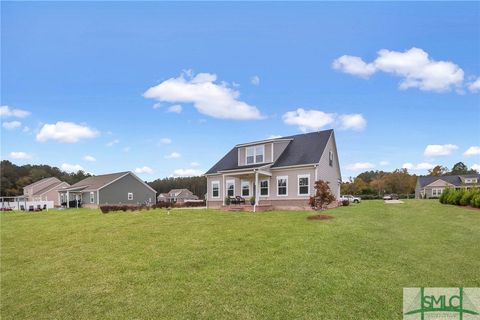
pixel 304 148
pixel 455 180
pixel 96 182
pixel 54 179
pixel 50 187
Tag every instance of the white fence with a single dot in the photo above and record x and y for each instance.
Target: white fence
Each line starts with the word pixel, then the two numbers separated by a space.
pixel 27 205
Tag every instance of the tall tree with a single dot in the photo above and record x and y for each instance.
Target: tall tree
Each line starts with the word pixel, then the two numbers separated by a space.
pixel 437 171
pixel 460 168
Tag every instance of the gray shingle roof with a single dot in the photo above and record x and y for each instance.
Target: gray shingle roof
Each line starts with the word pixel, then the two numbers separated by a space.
pixel 302 149
pixel 54 179
pixel 96 182
pixel 455 180
pixel 49 187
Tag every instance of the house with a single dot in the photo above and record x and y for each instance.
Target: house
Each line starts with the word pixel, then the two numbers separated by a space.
pixel 177 195
pixel 279 173
pixel 45 190
pixel 114 188
pixel 433 186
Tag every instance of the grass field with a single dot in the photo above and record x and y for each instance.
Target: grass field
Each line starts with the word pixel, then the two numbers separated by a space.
pixel 206 264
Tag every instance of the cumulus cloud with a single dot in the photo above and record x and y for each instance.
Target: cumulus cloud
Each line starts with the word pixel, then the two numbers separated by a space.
pixel 476 167
pixel 71 167
pixel 472 151
pixel 173 155
pixel 89 158
pixel 144 170
pixel 384 163
pixel 474 86
pixel 157 105
pixel 255 80
pixel 112 143
pixel 274 136
pixel 175 109
pixel 420 166
pixel 433 150
pixel 186 173
pixel 360 166
pixel 312 120
pixel 352 121
pixel 217 100
pixel 6 111
pixel 11 125
pixel 414 66
pixel 20 155
pixel 67 132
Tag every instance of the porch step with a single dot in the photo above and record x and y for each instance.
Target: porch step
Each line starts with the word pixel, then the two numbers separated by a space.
pixel 235 209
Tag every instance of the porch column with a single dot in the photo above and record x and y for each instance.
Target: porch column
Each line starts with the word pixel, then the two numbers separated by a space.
pixel 223 189
pixel 256 192
pixel 68 199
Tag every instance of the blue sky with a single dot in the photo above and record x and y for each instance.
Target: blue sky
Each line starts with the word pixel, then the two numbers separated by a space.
pixel 169 88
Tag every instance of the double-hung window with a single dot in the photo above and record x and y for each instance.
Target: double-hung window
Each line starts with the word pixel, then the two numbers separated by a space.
pixel 330 158
pixel 92 197
pixel 282 186
pixel 303 184
pixel 130 196
pixel 436 192
pixel 230 188
pixel 255 154
pixel 264 188
pixel 215 189
pixel 245 188
pixel 250 155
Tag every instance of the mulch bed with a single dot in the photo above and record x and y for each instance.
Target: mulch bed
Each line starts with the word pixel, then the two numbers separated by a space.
pixel 320 217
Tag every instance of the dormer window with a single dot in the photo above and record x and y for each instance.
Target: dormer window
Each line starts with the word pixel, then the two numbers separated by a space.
pixel 255 154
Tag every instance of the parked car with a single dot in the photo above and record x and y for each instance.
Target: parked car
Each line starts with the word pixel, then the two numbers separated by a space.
pixel 350 198
pixel 392 196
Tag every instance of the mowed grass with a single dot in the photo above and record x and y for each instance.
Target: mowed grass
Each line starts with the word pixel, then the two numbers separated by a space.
pixel 207 264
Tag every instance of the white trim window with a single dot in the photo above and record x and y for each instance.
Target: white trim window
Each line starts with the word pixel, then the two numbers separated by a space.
pixel 437 192
pixel 215 189
pixel 130 196
pixel 230 187
pixel 255 154
pixel 282 186
pixel 245 188
pixel 264 192
pixel 303 184
pixel 92 197
pixel 330 158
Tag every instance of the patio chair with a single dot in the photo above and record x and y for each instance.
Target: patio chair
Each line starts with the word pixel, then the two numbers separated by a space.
pixel 233 200
pixel 240 200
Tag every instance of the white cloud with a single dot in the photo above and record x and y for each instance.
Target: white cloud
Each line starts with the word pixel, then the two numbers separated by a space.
pixel 19 155
pixel 274 136
pixel 433 150
pixel 165 141
pixel 173 155
pixel 420 166
pixel 353 65
pixel 308 119
pixel 360 166
pixel 217 100
pixel 414 66
pixel 472 151
pixel 144 170
pixel 186 173
pixel 384 163
pixel 67 132
pixel 352 121
pixel 6 111
pixel 112 143
pixel 26 129
pixel 126 149
pixel 175 108
pixel 475 85
pixel 194 164
pixel 157 105
pixel 71 167
pixel 312 120
pixel 11 125
pixel 89 158
pixel 255 80
pixel 476 167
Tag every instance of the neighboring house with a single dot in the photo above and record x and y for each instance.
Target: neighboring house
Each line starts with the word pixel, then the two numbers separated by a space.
pixel 280 173
pixel 45 190
pixel 177 196
pixel 114 188
pixel 433 186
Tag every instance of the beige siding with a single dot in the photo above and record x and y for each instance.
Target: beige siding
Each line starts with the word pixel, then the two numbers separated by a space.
pixel 52 195
pixel 292 183
pixel 328 173
pixel 267 157
pixel 241 156
pixel 210 179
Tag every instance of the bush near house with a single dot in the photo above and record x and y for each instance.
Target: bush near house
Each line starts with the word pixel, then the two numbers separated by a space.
pixel 461 197
pixel 124 208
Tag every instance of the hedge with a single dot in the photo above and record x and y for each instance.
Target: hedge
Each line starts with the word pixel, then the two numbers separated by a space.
pixel 461 197
pixel 124 208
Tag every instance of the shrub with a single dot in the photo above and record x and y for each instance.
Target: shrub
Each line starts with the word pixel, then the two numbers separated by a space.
pixel 467 197
pixel 345 202
pixel 323 196
pixel 475 201
pixel 444 196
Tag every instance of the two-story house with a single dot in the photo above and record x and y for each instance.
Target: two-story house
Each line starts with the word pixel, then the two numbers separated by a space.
pixel 433 186
pixel 278 173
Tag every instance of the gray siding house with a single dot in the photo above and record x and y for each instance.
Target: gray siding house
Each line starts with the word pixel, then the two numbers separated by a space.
pixel 45 190
pixel 114 188
pixel 279 173
pixel 433 186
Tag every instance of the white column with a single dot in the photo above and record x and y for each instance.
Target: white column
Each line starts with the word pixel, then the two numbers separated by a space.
pixel 68 199
pixel 256 192
pixel 223 189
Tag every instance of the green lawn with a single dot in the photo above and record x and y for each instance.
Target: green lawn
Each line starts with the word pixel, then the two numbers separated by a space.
pixel 199 264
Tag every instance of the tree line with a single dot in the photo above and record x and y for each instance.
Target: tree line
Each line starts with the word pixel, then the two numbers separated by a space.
pixel 198 185
pixel 400 181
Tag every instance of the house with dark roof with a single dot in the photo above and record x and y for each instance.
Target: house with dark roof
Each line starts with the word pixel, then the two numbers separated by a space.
pixel 114 188
pixel 433 186
pixel 45 190
pixel 177 196
pixel 278 173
